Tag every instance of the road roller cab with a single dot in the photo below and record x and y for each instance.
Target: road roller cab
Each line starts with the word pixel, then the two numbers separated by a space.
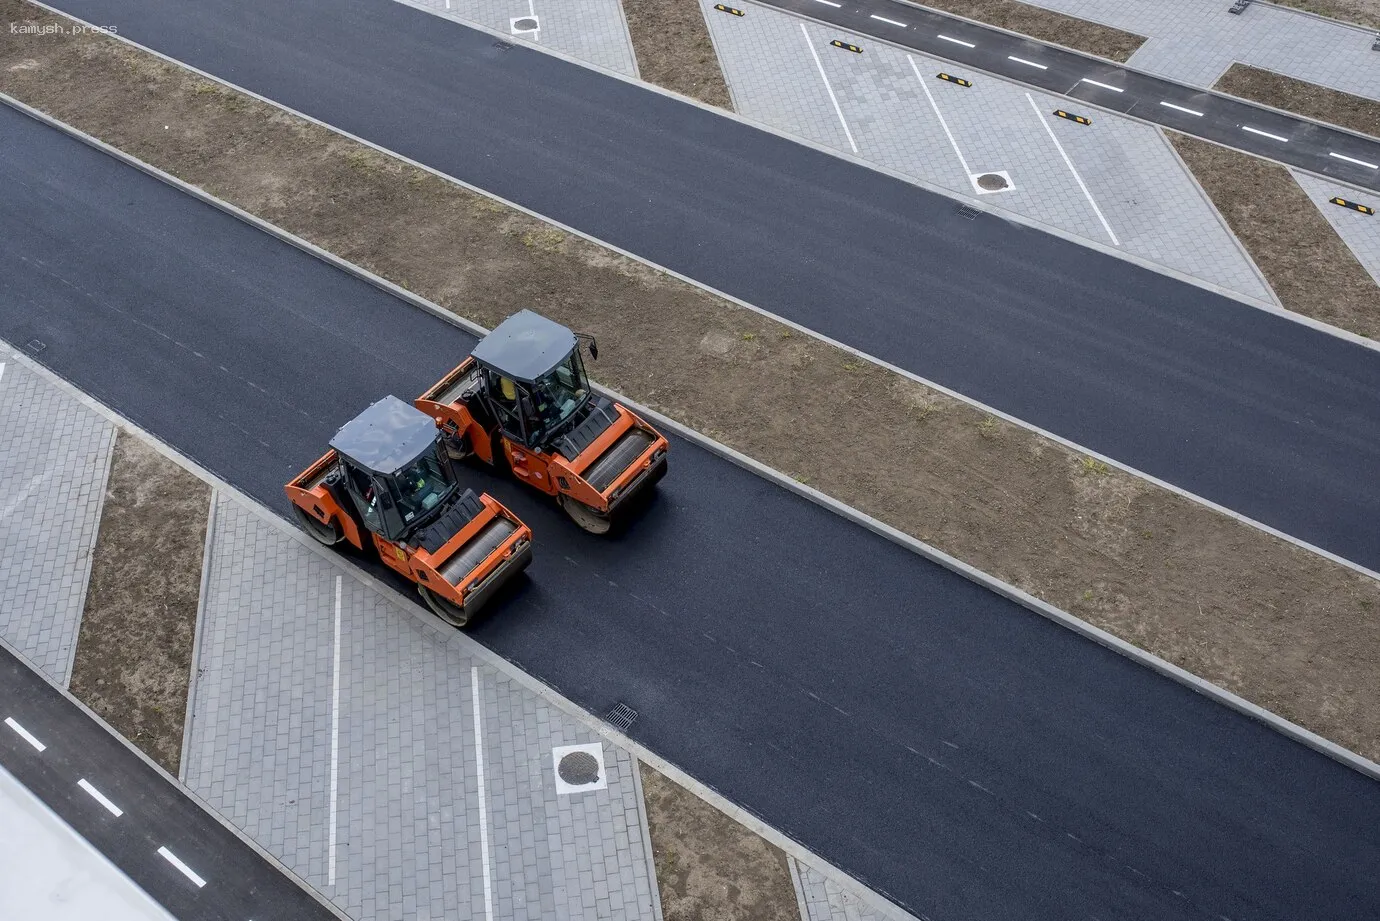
pixel 522 400
pixel 387 485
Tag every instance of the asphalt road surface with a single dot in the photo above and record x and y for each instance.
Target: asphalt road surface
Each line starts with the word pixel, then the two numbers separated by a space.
pixel 1332 152
pixel 191 864
pixel 1257 413
pixel 969 758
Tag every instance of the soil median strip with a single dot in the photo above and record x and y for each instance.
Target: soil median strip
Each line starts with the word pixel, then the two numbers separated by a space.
pixel 1046 26
pixel 1310 100
pixel 1280 626
pixel 674 50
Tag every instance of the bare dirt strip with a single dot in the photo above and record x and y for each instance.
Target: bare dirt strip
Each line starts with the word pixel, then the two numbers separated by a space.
pixel 1307 99
pixel 674 51
pixel 1047 26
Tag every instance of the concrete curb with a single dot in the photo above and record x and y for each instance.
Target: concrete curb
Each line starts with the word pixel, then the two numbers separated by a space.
pixel 799 886
pixel 89 563
pixel 981 205
pixel 198 633
pixel 182 788
pixel 397 291
pixel 645 827
pixel 1038 606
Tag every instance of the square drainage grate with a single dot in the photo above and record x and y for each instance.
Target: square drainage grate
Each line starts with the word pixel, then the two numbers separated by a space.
pixel 503 46
pixel 621 717
pixel 968 211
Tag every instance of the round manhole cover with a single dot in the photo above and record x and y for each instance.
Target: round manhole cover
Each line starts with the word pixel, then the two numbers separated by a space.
pixel 524 25
pixel 991 182
pixel 578 768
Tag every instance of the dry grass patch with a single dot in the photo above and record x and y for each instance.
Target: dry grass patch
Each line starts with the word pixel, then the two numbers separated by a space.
pixel 1360 12
pixel 1288 238
pixel 134 649
pixel 1047 26
pixel 1307 99
pixel 1278 625
pixel 674 51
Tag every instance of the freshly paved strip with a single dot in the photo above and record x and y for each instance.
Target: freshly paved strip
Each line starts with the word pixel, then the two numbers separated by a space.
pixel 1291 140
pixel 964 755
pixel 238 883
pixel 1262 415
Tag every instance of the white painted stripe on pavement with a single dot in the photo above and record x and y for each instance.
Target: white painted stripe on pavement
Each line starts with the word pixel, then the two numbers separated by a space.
pixel 939 115
pixel 1053 137
pixel 1114 89
pixel 1273 137
pixel 957 41
pixel 100 797
pixel 483 798
pixel 832 98
pixel 24 733
pixel 890 22
pixel 830 3
pixel 2 369
pixel 187 871
pixel 1170 105
pixel 1012 57
pixel 1329 153
pixel 335 739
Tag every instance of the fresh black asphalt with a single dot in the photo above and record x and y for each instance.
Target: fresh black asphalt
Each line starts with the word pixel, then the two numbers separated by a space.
pixel 967 757
pixel 239 883
pixel 1221 118
pixel 1257 413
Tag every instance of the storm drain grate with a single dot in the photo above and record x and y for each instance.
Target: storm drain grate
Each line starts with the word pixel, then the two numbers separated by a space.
pixel 503 46
pixel 968 211
pixel 621 717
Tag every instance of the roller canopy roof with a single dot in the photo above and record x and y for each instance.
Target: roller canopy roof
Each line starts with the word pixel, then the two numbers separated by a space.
pixel 386 437
pixel 525 346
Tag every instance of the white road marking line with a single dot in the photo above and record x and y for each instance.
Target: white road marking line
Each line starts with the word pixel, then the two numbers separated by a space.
pixel 956 41
pixel 1114 89
pixel 24 733
pixel 1330 154
pixel 943 124
pixel 1273 137
pixel 1082 185
pixel 483 798
pixel 1170 105
pixel 1012 57
pixel 100 797
pixel 187 871
pixel 335 739
pixel 830 3
pixel 2 369
pixel 832 98
pixel 890 22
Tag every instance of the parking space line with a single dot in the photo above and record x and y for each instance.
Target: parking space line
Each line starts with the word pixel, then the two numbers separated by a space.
pixel 187 871
pixel 1273 137
pixel 956 41
pixel 1012 57
pixel 939 115
pixel 1329 153
pixel 24 733
pixel 335 739
pixel 832 98
pixel 100 797
pixel 890 22
pixel 1053 137
pixel 1170 105
pixel 1103 85
pixel 483 798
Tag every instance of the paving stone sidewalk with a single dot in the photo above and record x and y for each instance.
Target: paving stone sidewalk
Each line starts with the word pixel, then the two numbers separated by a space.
pixel 54 460
pixel 588 30
pixel 823 899
pixel 1196 40
pixel 410 823
pixel 886 106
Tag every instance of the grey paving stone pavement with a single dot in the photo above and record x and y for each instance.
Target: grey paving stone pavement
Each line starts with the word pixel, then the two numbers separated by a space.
pixel 588 30
pixel 409 821
pixel 823 899
pixel 782 71
pixel 1360 232
pixel 1196 40
pixel 54 460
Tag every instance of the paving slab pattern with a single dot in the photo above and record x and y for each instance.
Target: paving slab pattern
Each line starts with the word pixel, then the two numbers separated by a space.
pixel 588 30
pixel 54 459
pixel 782 71
pixel 823 899
pixel 408 839
pixel 1196 40
pixel 1360 232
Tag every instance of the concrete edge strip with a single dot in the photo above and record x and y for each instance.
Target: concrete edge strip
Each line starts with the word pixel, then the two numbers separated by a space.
pixel 88 564
pixel 1039 606
pixel 198 632
pixel 646 829
pixel 182 788
pixel 1217 213
pixel 981 205
pixel 468 645
pixel 799 885
pixel 423 304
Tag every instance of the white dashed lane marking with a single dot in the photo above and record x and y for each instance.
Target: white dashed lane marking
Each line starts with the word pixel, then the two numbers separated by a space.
pixel 187 871
pixel 24 733
pixel 1170 105
pixel 957 41
pixel 1265 134
pixel 1330 154
pixel 1012 57
pixel 1105 86
pixel 100 797
pixel 890 22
